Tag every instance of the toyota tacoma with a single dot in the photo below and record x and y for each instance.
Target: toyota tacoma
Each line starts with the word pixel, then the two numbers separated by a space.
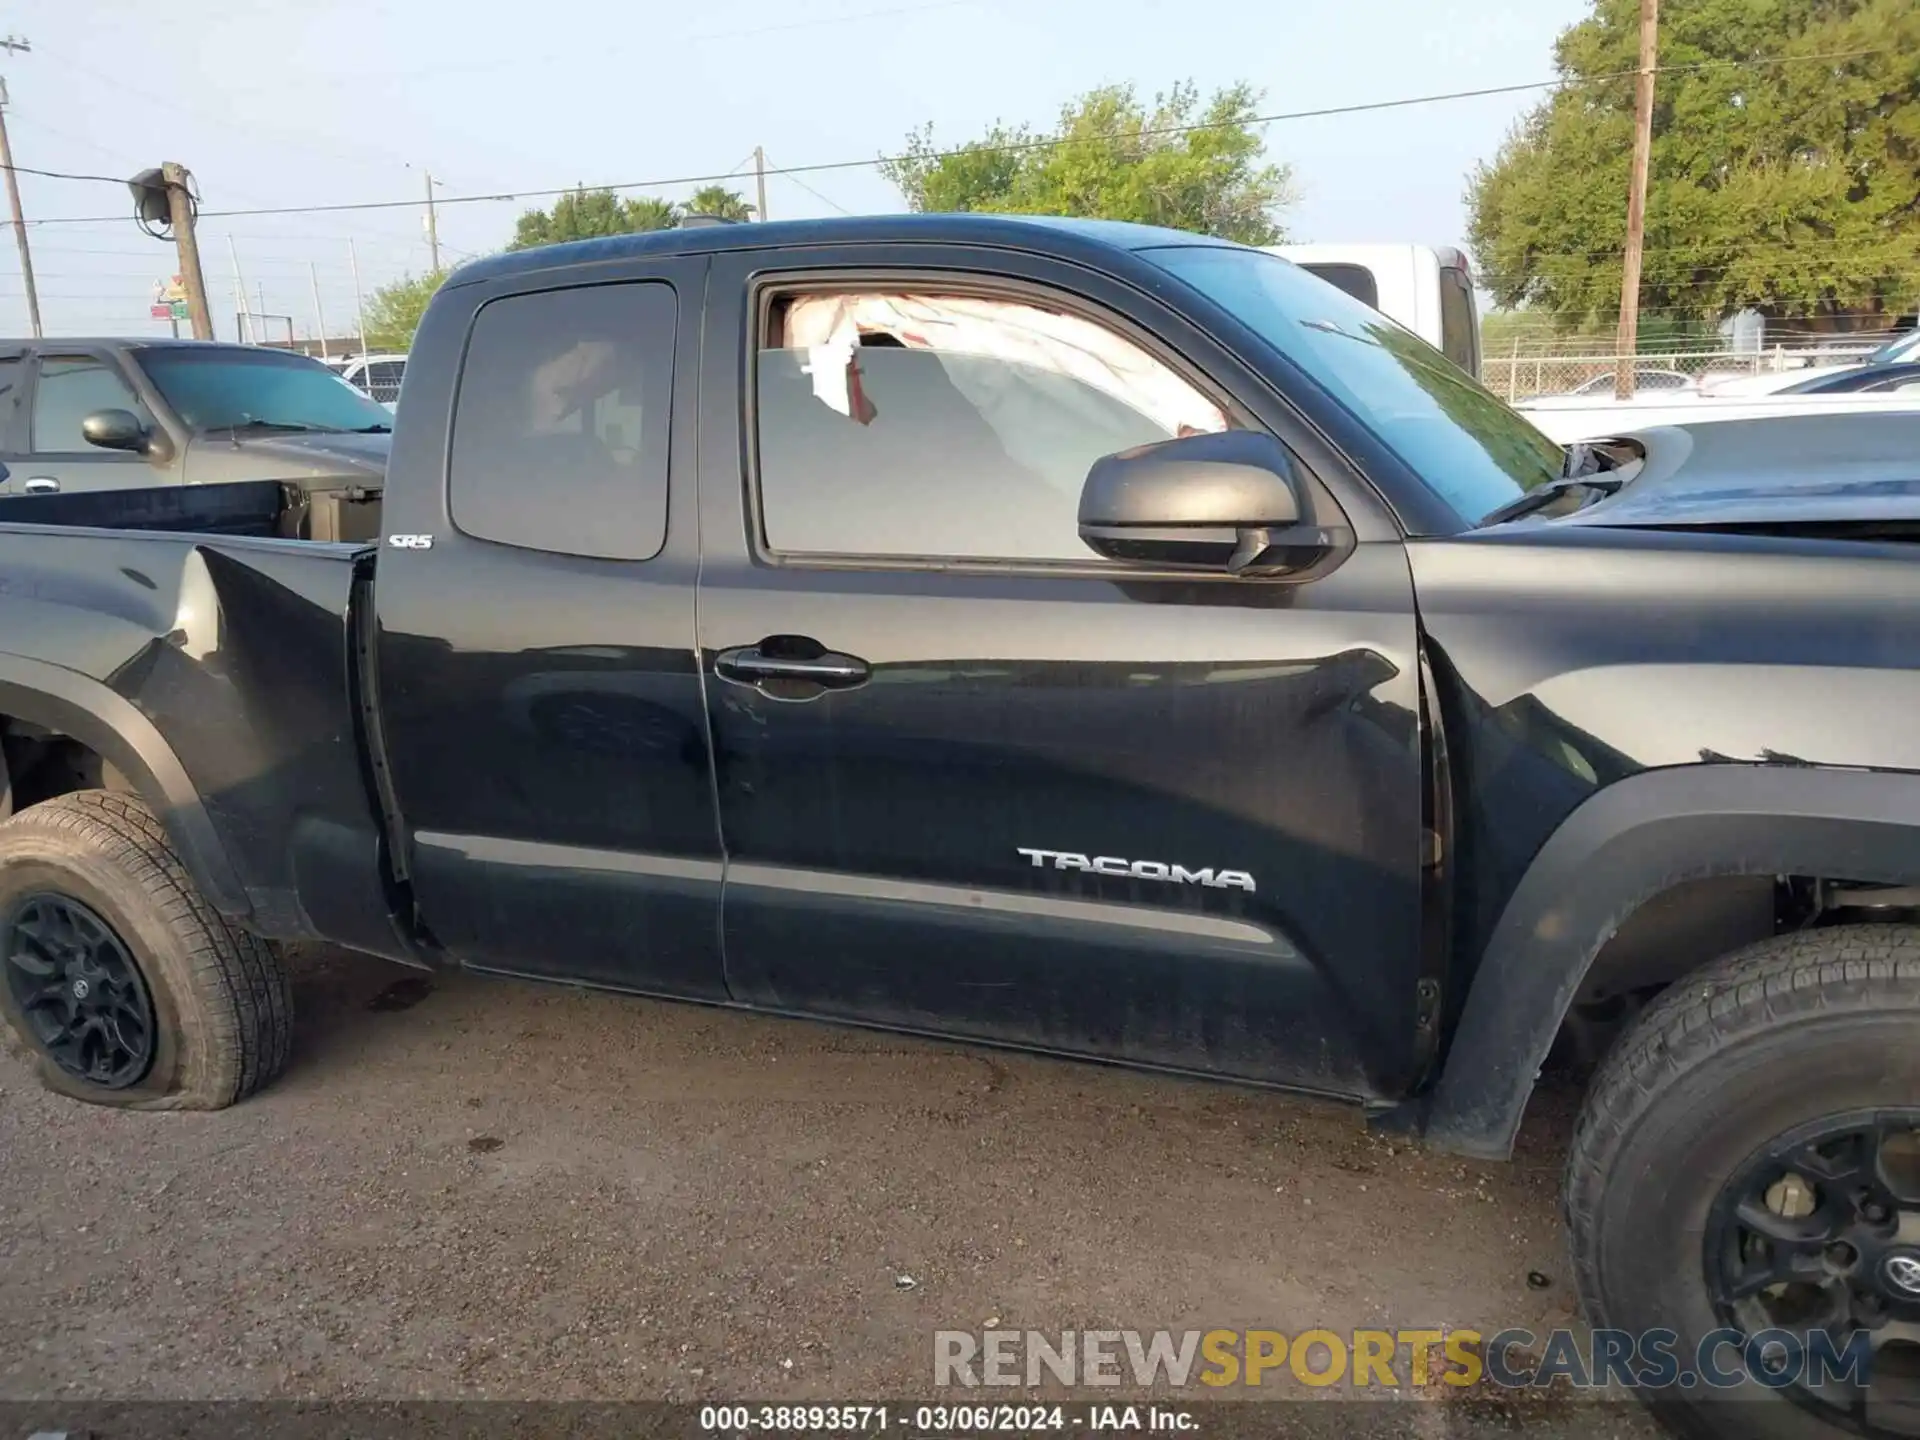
pixel 1094 639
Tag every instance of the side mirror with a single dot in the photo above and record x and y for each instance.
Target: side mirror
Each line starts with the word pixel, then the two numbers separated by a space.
pixel 115 430
pixel 1229 501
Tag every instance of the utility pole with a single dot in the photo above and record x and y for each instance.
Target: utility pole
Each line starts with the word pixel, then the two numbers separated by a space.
pixel 178 181
pixel 242 321
pixel 433 226
pixel 319 317
pixel 359 305
pixel 13 44
pixel 760 178
pixel 1628 343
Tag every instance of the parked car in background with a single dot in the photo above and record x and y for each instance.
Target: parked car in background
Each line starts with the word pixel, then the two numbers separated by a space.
pixel 83 415
pixel 1898 378
pixel 1646 380
pixel 1591 411
pixel 1427 288
pixel 376 375
pixel 1899 349
pixel 1566 419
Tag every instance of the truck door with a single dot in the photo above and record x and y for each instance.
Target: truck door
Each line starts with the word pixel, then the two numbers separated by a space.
pixel 974 778
pixel 538 692
pixel 67 386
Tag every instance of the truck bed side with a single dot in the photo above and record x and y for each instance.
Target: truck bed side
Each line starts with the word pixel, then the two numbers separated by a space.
pixel 214 674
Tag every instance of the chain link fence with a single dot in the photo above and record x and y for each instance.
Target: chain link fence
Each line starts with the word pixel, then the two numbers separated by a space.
pixel 1525 373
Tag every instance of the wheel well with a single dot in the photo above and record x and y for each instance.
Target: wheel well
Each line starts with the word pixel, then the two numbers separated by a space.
pixel 38 764
pixel 1693 922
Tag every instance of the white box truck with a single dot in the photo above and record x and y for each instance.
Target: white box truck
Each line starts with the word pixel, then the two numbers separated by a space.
pixel 1427 288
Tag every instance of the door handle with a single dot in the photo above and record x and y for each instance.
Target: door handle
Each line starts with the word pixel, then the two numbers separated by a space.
pixel 42 485
pixel 787 658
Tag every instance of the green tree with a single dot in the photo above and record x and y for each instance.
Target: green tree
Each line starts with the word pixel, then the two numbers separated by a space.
pixel 394 311
pixel 1791 187
pixel 648 212
pixel 583 214
pixel 1113 157
pixel 720 201
pixel 1504 332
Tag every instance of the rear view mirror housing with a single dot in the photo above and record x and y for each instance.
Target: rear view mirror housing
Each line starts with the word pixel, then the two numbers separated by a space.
pixel 1231 501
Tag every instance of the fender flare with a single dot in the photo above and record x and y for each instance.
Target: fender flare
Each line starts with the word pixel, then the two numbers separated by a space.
pixel 100 718
pixel 1619 849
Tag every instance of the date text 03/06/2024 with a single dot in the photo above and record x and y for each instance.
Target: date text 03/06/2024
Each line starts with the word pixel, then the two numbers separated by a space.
pixel 962 1419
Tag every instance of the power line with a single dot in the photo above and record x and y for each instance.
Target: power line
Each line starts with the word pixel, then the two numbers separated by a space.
pixel 1543 320
pixel 1605 277
pixel 63 175
pixel 148 250
pixel 1891 249
pixel 1599 287
pixel 1745 245
pixel 823 199
pixel 330 271
pixel 1012 147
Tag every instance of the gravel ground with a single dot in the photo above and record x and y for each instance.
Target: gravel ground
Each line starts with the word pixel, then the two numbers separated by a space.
pixel 472 1188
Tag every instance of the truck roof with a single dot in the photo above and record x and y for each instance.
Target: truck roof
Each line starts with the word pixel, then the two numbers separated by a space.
pixel 1057 233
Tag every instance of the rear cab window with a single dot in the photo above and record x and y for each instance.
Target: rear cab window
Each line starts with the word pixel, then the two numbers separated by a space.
pixel 561 421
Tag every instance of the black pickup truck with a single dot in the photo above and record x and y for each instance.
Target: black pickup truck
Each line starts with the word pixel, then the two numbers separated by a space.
pixel 1093 639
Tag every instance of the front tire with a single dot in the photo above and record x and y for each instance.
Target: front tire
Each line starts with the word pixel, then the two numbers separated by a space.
pixel 121 984
pixel 1749 1159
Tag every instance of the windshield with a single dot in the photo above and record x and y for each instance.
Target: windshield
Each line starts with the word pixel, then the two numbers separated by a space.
pixel 218 389
pixel 1465 444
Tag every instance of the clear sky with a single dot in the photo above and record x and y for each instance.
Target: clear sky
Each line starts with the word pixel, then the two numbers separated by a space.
pixel 285 102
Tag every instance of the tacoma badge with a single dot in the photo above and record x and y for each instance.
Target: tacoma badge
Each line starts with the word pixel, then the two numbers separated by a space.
pixel 1140 869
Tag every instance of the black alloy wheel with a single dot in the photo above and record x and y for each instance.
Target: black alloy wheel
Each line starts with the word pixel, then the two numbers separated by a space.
pixel 84 1000
pixel 1821 1231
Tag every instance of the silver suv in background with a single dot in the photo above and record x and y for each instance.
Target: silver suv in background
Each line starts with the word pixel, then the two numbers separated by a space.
pixel 78 415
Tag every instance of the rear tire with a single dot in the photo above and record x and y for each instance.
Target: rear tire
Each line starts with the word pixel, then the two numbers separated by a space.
pixel 1763 1065
pixel 206 1021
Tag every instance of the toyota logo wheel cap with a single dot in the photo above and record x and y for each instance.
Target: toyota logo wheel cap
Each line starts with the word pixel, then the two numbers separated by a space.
pixel 1903 1273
